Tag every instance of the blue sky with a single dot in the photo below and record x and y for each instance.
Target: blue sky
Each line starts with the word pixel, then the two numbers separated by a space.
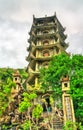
pixel 16 18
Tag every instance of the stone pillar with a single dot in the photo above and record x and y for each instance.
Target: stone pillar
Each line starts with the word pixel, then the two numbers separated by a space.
pixel 36 82
pixel 68 109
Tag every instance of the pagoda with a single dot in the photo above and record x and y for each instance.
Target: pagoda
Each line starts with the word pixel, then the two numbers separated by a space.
pixel 47 39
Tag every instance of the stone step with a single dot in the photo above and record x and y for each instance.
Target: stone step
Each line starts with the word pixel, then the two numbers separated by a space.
pixel 57 124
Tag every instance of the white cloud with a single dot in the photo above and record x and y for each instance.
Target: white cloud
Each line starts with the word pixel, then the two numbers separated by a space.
pixel 76 44
pixel 13 45
pixel 16 20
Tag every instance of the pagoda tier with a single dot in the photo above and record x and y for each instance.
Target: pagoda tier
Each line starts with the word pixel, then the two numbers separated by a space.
pixel 42 27
pixel 53 35
pixel 45 28
pixel 47 39
pixel 46 22
pixel 43 53
pixel 49 46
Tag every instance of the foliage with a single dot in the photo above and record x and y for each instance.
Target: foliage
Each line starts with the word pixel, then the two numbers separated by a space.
pixel 5 87
pixel 26 103
pixel 79 126
pixel 8 72
pixel 56 69
pixel 23 73
pixel 37 111
pixel 4 127
pixel 26 125
pixel 5 73
pixel 62 65
pixel 72 126
pixel 34 111
pixel 77 85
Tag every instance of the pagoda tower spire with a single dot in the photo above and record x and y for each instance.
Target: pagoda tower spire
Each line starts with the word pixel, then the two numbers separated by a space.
pixel 47 38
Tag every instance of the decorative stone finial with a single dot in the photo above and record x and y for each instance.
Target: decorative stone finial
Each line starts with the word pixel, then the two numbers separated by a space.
pixel 33 16
pixel 54 13
pixel 16 74
pixel 65 78
pixel 17 77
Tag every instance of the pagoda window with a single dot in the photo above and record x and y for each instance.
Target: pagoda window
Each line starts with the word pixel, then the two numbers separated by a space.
pixel 45 53
pixel 46 31
pixel 46 42
pixel 15 79
pixel 65 84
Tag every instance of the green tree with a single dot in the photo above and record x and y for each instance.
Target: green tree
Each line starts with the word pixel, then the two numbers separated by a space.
pixel 27 105
pixel 37 111
pixel 62 65
pixel 27 101
pixel 5 94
